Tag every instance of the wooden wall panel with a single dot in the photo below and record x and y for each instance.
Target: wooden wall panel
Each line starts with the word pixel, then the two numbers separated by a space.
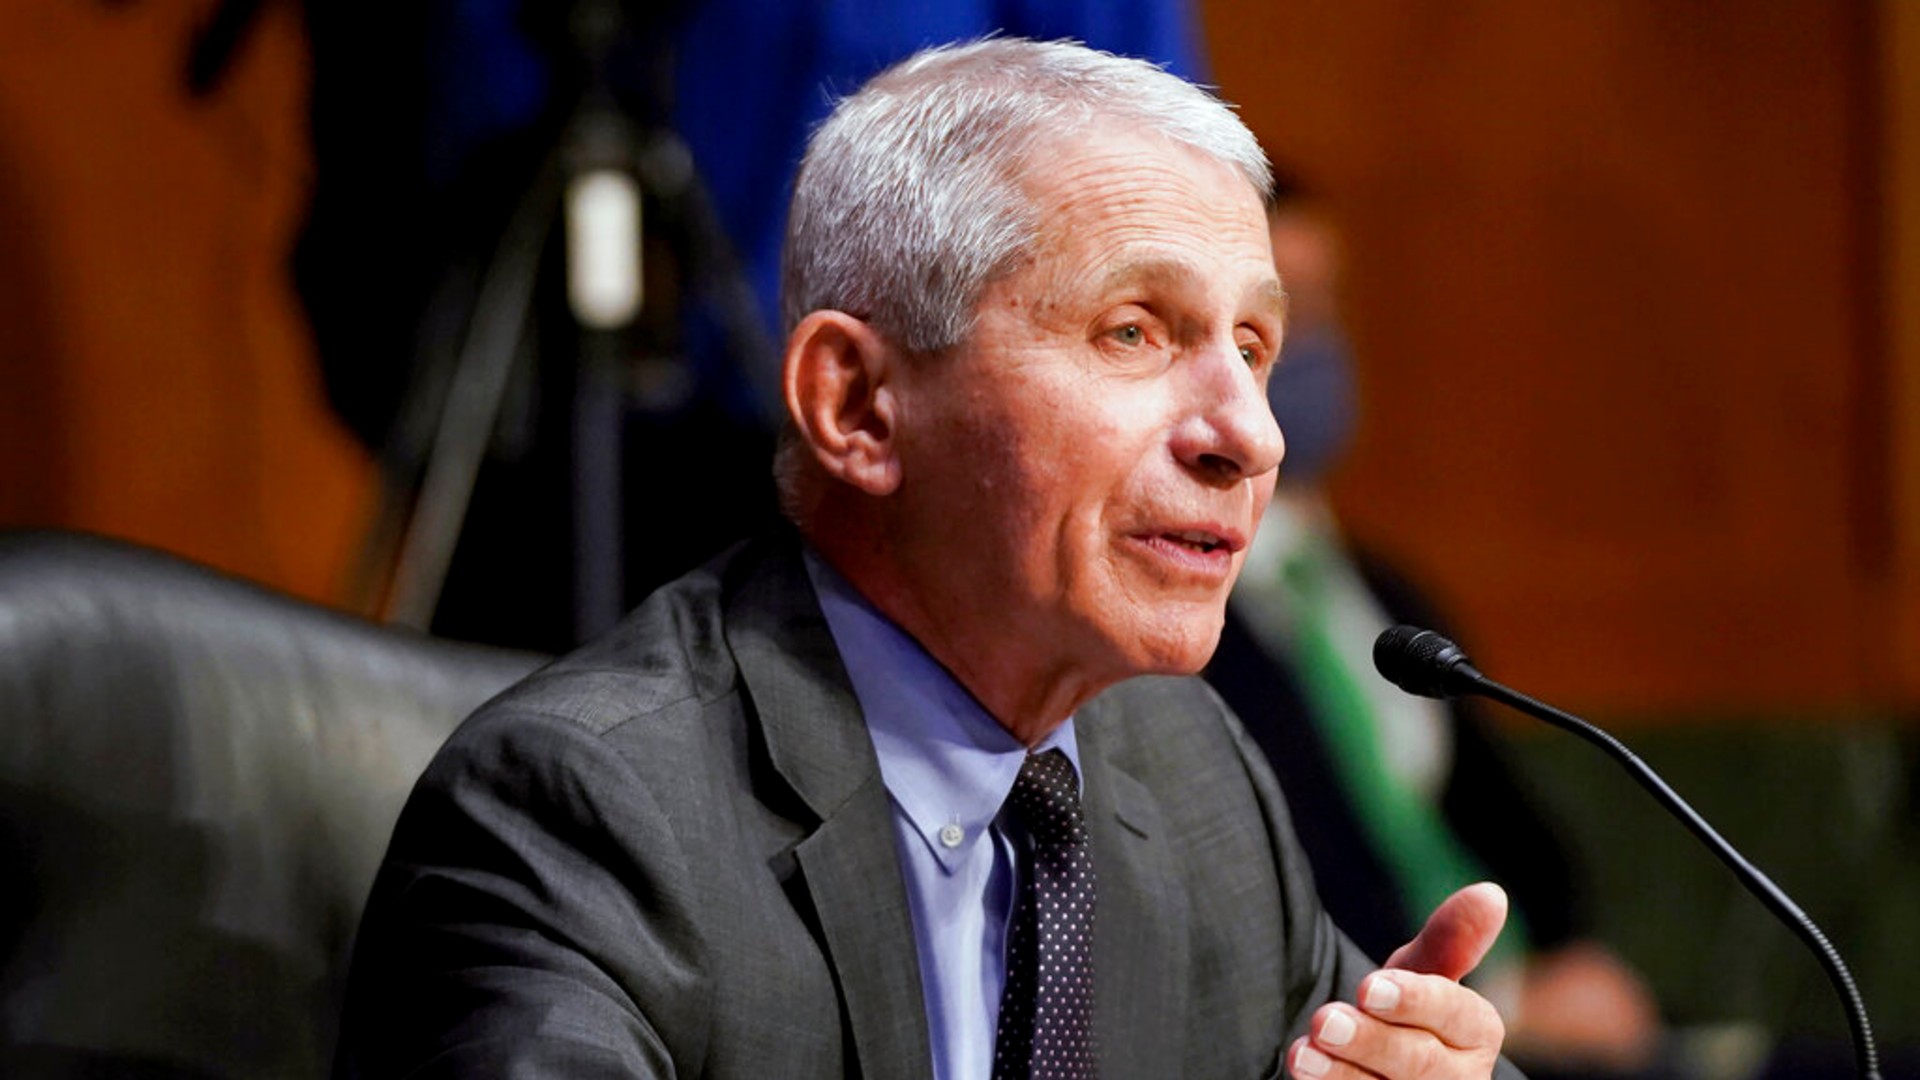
pixel 156 376
pixel 1612 278
pixel 1616 288
pixel 1899 32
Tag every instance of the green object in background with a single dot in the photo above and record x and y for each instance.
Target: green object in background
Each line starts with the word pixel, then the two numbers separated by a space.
pixel 1425 858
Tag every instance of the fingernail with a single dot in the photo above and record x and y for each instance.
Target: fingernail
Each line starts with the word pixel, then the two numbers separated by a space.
pixel 1310 1062
pixel 1336 1030
pixel 1380 994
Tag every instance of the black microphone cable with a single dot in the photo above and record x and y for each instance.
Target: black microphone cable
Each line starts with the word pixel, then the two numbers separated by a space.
pixel 1426 664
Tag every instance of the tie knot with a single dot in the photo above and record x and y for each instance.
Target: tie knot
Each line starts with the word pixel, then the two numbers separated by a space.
pixel 1047 797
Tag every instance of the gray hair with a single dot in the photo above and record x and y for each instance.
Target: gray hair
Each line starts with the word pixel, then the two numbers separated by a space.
pixel 908 203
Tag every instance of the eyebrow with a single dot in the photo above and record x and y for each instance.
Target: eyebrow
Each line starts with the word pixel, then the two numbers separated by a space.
pixel 1148 271
pixel 1272 295
pixel 1268 294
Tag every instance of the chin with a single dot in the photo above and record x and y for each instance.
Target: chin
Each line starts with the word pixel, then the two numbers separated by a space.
pixel 1179 647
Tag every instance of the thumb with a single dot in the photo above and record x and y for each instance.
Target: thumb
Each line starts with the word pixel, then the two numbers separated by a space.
pixel 1458 933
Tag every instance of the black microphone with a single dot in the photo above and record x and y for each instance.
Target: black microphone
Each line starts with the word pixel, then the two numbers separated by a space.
pixel 1423 663
pixel 1426 664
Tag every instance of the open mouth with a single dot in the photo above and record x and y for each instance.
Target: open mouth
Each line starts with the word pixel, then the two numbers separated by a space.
pixel 1203 542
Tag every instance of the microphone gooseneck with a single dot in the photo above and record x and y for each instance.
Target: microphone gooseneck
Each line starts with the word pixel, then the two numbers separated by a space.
pixel 1426 664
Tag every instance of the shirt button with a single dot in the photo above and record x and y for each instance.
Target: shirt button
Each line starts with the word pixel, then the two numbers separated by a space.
pixel 951 835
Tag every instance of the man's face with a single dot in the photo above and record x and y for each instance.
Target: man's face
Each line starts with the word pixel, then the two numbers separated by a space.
pixel 1084 473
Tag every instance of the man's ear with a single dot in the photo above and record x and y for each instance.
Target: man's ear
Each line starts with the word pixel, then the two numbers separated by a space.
pixel 838 380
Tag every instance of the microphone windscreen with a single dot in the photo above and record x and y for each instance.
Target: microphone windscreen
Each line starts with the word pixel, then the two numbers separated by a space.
pixel 1418 661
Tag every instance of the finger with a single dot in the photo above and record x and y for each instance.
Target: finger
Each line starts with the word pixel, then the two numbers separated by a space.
pixel 1432 1004
pixel 1343 1040
pixel 1458 933
pixel 1307 1062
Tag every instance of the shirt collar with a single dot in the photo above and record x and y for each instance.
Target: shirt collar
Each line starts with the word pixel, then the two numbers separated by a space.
pixel 945 760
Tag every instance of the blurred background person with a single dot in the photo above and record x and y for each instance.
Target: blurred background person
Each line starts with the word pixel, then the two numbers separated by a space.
pixel 1398 799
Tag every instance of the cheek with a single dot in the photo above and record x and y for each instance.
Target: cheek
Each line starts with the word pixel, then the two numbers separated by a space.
pixel 1046 506
pixel 1263 487
pixel 1022 445
pixel 1043 465
pixel 988 457
pixel 987 487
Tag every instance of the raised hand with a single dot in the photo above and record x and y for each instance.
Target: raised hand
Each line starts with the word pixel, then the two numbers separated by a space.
pixel 1413 1020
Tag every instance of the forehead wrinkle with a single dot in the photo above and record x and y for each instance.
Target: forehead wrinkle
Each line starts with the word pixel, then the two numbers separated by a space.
pixel 1112 195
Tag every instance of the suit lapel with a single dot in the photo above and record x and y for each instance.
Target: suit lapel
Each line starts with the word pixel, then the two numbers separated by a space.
pixel 855 885
pixel 818 741
pixel 1140 953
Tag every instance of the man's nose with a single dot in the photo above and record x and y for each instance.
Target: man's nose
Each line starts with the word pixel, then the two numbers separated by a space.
pixel 1233 435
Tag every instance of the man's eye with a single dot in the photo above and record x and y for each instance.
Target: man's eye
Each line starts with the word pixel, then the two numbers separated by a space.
pixel 1130 334
pixel 1251 355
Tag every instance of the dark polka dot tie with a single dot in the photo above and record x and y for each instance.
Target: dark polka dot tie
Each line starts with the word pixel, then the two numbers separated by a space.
pixel 1046 1012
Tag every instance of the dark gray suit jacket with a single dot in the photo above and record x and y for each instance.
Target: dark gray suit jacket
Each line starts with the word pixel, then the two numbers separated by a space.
pixel 671 854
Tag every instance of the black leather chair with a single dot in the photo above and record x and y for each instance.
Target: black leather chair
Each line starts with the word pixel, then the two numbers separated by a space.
pixel 198 778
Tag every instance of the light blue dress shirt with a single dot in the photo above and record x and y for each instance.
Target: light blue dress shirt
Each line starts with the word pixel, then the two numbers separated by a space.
pixel 948 766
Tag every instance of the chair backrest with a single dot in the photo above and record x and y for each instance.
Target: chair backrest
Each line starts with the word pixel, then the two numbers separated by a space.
pixel 198 778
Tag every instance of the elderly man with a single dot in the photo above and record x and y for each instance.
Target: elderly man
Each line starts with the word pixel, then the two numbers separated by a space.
pixel 889 797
